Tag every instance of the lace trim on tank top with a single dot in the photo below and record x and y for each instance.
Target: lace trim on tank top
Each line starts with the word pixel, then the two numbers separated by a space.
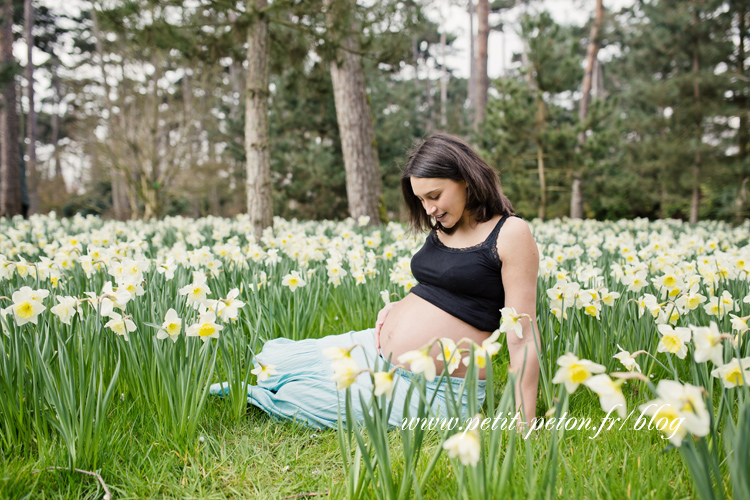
pixel 442 245
pixel 492 238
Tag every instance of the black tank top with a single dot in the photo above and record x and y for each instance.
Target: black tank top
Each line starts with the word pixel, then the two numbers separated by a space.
pixel 464 282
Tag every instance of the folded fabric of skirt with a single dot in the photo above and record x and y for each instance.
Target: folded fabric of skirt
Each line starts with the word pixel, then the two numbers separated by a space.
pixel 303 390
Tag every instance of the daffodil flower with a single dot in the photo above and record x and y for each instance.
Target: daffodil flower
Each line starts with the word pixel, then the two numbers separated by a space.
pixel 205 328
pixel 690 300
pixel 120 325
pixel 449 354
pixel 119 297
pixel 384 383
pixel 739 324
pixel 609 392
pixel 363 220
pixel 635 282
pixel 574 371
pixel 293 281
pixel 134 287
pixel 627 359
pixel 708 346
pixel 167 268
pixel 674 340
pixel 231 306
pixel 465 446
pixel 649 302
pixel 197 291
pixel 608 298
pixel 66 309
pixel 337 353
pixel 420 362
pixel 681 408
pixel 489 348
pixel 25 308
pixel 171 326
pixel 345 372
pixel 263 371
pixel 559 314
pixel 511 321
pixel 735 373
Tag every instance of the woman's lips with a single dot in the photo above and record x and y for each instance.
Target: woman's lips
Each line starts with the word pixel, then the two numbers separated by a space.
pixel 442 216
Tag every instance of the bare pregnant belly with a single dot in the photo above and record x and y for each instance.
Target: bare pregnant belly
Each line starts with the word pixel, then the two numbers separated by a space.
pixel 413 322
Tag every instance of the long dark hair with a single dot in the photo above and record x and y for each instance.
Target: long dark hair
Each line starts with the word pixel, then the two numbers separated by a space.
pixel 445 156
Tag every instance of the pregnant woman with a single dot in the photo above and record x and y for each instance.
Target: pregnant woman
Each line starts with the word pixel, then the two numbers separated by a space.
pixel 477 259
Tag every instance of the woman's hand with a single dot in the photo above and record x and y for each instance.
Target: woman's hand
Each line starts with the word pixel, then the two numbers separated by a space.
pixel 380 321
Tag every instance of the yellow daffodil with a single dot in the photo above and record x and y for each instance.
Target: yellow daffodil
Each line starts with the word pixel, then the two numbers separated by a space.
pixel 708 346
pixel 449 354
pixel 465 446
pixel 120 325
pixel 197 291
pixel 628 360
pixel 511 321
pixel 66 308
pixel 678 410
pixel 574 371
pixel 26 307
pixel 170 327
pixel 345 372
pixel 384 383
pixel 420 362
pixel 263 372
pixel 293 280
pixel 482 353
pixel 735 373
pixel 609 392
pixel 206 327
pixel 673 340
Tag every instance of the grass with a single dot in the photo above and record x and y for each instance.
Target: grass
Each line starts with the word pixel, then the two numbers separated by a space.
pixel 254 456
pixel 257 457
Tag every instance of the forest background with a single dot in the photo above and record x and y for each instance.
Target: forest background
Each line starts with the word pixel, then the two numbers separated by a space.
pixel 149 108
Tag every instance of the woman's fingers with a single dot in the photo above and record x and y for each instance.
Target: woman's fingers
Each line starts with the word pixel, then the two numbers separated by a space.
pixel 380 321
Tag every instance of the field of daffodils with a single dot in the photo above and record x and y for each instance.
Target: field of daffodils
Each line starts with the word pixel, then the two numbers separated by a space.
pixel 106 322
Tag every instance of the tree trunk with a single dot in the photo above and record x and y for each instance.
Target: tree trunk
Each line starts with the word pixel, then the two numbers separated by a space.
pixel 576 197
pixel 443 86
pixel 542 183
pixel 695 201
pixel 541 120
pixel 525 52
pixel 117 176
pixel 363 184
pixel 258 182
pixel 473 57
pixel 415 55
pixel 428 126
pixel 482 81
pixel 742 132
pixel 31 122
pixel 10 180
pixel 55 123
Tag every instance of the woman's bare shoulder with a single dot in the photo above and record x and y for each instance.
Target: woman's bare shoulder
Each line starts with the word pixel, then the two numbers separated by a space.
pixel 515 241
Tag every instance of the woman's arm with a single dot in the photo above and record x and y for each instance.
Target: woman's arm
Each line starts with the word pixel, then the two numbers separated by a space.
pixel 520 257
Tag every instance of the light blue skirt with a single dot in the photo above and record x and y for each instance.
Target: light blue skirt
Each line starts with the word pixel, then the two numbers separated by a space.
pixel 303 390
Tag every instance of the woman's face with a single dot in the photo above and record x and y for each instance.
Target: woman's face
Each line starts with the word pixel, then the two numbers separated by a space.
pixel 442 199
